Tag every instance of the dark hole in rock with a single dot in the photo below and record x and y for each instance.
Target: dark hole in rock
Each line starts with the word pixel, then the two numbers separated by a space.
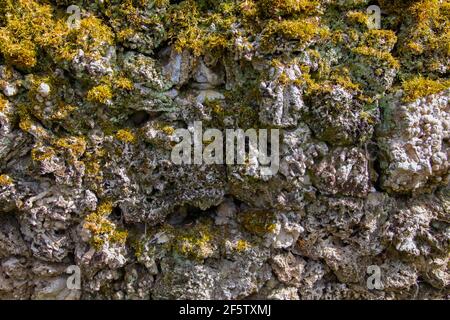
pixel 185 215
pixel 70 258
pixel 116 214
pixel 59 232
pixel 139 118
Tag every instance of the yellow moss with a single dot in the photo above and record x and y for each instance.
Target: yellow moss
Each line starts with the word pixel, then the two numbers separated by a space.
pixel 215 42
pixel 338 37
pixel 42 153
pixel 200 31
pixel 3 103
pixel 29 26
pixel 367 117
pixel 288 7
pixel 188 39
pixel 427 36
pixel 248 9
pixel 415 48
pixel 125 34
pixel 25 124
pixel 329 79
pixel 312 86
pixel 100 94
pixel 126 135
pixel 216 107
pixel 63 111
pixel 258 222
pixel 418 87
pixel 102 229
pixel 76 145
pixel 138 247
pixel 354 36
pixel 32 27
pixel 358 17
pixel 92 168
pixel 302 29
pixel 242 245
pixel 168 130
pixel 119 236
pixel 5 180
pixel 162 3
pixel 195 243
pixel 123 83
pixel 380 38
pixel 380 55
pixel 284 79
pixel 345 82
pixel 91 36
pixel 95 32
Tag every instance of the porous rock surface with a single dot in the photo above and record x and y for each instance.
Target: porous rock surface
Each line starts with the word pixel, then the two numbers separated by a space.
pixel 87 116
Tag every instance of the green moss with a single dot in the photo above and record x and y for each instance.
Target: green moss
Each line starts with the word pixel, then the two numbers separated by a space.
pixel 196 242
pixel 258 222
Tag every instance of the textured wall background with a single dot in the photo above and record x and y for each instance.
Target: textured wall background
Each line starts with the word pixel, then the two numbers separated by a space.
pixel 89 102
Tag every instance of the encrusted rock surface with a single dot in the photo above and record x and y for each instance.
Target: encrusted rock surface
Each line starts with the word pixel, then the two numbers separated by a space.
pixel 88 112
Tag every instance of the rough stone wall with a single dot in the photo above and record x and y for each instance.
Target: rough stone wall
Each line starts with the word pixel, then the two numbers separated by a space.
pixel 87 115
